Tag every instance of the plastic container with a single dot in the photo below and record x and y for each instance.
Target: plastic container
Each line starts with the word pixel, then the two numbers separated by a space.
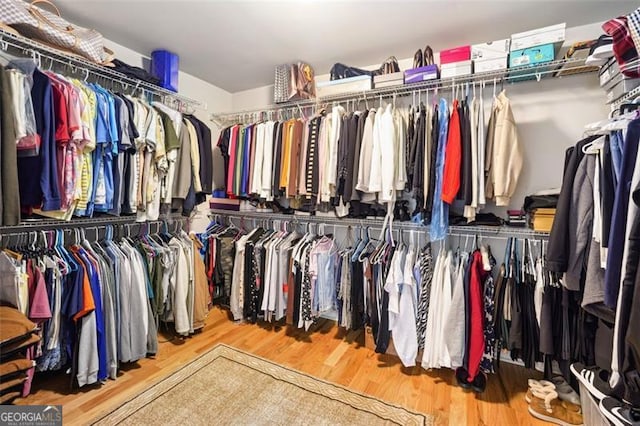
pixel 165 66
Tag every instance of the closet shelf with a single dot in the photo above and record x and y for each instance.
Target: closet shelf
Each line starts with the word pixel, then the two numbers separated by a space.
pixel 44 224
pixel 454 230
pixel 39 50
pixel 559 68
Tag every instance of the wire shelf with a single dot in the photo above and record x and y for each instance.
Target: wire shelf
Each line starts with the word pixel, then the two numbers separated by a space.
pixel 559 68
pixel 44 224
pixel 38 50
pixel 487 231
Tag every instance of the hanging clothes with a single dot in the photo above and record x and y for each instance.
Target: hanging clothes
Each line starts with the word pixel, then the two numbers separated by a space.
pixel 100 303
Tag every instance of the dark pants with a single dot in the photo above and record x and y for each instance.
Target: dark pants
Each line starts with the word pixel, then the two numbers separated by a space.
pixel 629 319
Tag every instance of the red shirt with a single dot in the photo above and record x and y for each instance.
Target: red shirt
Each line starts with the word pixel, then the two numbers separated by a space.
pixel 452 158
pixel 476 311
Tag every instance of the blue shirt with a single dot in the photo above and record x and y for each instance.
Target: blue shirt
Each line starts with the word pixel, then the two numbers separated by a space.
pixel 440 213
pixel 613 271
pixel 245 161
pixel 102 116
pixel 94 279
pixel 615 145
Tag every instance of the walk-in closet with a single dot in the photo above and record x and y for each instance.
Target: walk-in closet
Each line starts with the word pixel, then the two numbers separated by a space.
pixel 319 212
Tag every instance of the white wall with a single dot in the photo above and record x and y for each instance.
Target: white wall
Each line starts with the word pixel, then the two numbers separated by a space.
pixel 212 97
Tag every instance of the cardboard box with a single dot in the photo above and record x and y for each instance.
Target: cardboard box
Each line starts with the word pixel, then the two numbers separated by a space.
pixel 607 72
pixel 532 56
pixel 457 69
pixel 345 85
pixel 554 34
pixel 623 87
pixel 429 72
pixel 390 83
pixel 490 64
pixel 493 49
pixel 388 80
pixel 457 54
pixel 388 77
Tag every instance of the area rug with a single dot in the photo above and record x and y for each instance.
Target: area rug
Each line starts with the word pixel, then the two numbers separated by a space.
pixel 229 386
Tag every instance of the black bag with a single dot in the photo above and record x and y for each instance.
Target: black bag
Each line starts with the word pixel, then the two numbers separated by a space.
pixel 340 71
pixel 134 72
pixel 532 202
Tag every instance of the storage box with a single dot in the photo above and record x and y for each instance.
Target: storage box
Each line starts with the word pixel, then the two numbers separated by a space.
pixel 429 72
pixel 390 83
pixel 165 66
pixel 345 85
pixel 616 78
pixel 591 414
pixel 490 64
pixel 457 69
pixel 554 34
pixel 493 49
pixel 607 72
pixel 528 57
pixel 532 56
pixel 387 80
pixel 457 54
pixel 388 77
pixel 232 204
pixel 623 87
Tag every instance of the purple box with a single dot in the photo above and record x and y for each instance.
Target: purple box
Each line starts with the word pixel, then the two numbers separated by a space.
pixel 429 72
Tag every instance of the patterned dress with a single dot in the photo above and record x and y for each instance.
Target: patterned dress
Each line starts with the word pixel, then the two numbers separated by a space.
pixel 426 276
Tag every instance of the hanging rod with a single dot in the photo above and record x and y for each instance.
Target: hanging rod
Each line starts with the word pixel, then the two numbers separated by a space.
pixel 45 224
pixel 510 75
pixel 94 227
pixel 37 50
pixel 503 231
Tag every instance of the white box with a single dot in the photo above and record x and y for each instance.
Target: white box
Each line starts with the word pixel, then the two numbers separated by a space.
pixel 456 69
pixel 554 34
pixel 490 64
pixel 388 83
pixel 493 49
pixel 388 77
pixel 607 72
pixel 345 85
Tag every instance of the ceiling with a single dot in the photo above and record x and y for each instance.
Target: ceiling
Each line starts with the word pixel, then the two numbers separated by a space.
pixel 236 44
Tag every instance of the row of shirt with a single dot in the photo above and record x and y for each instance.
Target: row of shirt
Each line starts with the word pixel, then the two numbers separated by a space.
pixel 99 304
pixel 80 149
pixel 441 304
pixel 263 260
pixel 435 154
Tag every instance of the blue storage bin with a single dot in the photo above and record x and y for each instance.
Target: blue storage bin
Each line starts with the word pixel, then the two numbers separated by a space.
pixel 165 66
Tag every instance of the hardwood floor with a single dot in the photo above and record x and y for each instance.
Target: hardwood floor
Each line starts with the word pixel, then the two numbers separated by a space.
pixel 328 353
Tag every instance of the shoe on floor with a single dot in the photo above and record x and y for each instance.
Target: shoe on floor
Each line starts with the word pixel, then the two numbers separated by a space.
pixel 461 378
pixel 619 413
pixel 565 391
pixel 479 383
pixel 595 379
pixel 546 406
pixel 537 384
